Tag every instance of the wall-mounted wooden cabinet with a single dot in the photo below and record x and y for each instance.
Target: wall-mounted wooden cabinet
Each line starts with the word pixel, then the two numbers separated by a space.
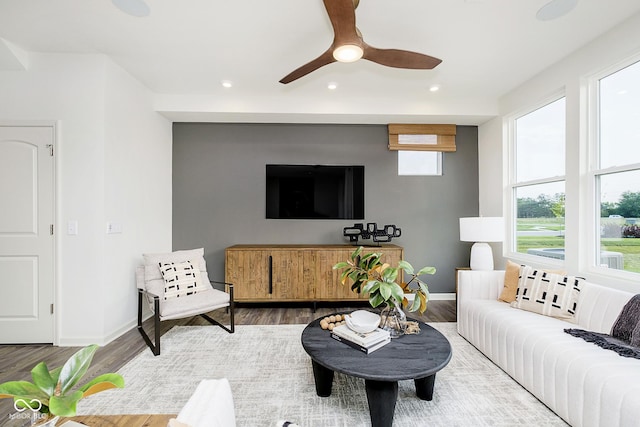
pixel 263 273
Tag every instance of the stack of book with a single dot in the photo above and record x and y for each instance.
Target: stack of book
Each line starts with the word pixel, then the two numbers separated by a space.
pixel 365 342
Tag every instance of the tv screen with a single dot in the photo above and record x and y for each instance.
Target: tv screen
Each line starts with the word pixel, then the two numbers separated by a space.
pixel 315 192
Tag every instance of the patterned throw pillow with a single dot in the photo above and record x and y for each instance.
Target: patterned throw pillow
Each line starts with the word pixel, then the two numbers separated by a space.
pixel 181 279
pixel 547 293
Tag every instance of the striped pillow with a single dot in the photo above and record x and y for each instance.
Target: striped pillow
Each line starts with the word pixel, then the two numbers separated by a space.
pixel 547 293
pixel 181 279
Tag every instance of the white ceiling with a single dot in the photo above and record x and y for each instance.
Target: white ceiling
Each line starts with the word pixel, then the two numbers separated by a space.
pixel 185 48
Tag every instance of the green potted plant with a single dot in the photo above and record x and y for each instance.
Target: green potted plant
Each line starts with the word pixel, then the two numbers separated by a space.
pixel 370 275
pixel 50 395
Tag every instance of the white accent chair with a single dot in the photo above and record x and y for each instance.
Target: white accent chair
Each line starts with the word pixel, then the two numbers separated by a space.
pixel 151 285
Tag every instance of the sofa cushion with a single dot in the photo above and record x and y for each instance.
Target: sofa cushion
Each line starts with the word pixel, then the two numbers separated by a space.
pixel 511 276
pixel 547 293
pixel 511 280
pixel 627 321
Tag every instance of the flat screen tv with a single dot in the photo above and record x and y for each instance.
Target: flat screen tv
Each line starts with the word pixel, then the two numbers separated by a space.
pixel 315 192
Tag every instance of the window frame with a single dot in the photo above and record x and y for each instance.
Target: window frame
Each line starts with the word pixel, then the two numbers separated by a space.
pixel 510 247
pixel 594 171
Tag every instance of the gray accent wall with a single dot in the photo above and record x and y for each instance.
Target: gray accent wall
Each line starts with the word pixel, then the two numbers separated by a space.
pixel 219 191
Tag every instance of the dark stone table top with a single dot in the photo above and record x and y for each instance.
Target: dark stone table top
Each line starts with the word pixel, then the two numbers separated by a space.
pixel 404 358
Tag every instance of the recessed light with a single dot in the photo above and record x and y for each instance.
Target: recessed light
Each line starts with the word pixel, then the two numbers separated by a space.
pixel 555 9
pixel 332 86
pixel 226 83
pixel 434 88
pixel 137 8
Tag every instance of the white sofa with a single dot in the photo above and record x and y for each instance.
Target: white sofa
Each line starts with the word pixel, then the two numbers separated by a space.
pixel 581 382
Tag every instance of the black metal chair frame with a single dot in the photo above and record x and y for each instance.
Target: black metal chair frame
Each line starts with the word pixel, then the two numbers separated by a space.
pixel 155 347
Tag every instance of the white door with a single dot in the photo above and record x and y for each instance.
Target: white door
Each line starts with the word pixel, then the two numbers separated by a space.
pixel 26 234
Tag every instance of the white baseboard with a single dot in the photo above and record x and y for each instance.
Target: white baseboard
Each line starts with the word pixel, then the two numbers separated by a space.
pixel 442 296
pixel 101 341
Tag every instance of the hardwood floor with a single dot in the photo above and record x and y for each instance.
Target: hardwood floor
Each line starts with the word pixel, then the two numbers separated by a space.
pixel 16 361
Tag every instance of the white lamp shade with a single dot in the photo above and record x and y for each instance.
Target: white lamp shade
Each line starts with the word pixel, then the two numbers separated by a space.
pixel 482 229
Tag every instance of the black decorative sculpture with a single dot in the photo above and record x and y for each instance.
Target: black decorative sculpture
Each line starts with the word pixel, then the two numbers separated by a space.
pixel 383 235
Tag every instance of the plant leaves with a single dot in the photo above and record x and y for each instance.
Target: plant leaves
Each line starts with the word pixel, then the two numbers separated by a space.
pixel 396 292
pixel 23 389
pixel 375 300
pixel 75 368
pixel 385 291
pixel 65 406
pixel 340 265
pixel 389 274
pixel 371 287
pixel 415 305
pixel 42 378
pixel 355 253
pixel 55 374
pixel 408 268
pixel 101 383
pixel 25 395
pixel 426 270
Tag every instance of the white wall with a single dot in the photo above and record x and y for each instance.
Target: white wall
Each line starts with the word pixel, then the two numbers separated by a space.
pixel 73 91
pixel 137 191
pixel 570 75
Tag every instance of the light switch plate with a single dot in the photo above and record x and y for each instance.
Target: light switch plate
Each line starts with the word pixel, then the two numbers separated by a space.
pixel 114 227
pixel 72 227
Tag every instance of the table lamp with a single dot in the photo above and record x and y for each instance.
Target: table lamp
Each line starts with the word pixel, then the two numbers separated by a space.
pixel 481 230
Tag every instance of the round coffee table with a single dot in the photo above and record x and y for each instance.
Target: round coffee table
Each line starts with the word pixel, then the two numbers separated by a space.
pixel 410 357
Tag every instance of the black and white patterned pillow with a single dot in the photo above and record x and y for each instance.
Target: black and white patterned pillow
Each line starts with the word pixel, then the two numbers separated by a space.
pixel 181 279
pixel 547 293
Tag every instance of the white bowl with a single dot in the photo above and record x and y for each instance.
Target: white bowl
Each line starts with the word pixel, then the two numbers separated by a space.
pixel 362 321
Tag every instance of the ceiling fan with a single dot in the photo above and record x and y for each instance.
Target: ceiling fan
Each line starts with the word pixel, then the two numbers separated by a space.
pixel 349 46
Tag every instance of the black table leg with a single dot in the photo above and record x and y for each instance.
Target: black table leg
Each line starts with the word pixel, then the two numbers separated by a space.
pixel 323 378
pixel 382 396
pixel 424 387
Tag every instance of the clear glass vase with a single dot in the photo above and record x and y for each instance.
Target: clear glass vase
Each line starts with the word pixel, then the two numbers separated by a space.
pixel 393 319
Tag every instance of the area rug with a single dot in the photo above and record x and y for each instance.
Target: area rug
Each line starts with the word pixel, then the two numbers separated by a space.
pixel 271 379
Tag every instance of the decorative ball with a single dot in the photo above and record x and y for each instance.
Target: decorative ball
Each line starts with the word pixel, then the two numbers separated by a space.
pixel 330 322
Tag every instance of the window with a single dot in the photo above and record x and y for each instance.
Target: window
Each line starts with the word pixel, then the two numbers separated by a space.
pixel 616 170
pixel 538 181
pixel 419 163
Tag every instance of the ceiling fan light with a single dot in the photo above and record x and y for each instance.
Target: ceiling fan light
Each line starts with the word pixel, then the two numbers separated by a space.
pixel 348 53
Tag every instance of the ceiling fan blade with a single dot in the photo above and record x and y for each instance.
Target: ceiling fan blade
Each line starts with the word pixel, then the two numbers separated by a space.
pixel 400 58
pixel 342 14
pixel 322 60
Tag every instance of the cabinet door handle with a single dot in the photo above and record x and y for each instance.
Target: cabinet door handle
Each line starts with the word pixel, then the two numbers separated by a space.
pixel 270 274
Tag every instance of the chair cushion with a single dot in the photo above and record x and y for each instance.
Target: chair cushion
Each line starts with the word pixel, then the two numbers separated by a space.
pixel 153 280
pixel 181 279
pixel 191 305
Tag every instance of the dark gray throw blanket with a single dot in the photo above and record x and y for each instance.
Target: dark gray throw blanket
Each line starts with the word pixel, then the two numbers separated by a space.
pixel 625 333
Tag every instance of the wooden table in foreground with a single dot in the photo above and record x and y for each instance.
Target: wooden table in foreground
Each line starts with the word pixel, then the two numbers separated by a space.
pixel 123 420
pixel 409 357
